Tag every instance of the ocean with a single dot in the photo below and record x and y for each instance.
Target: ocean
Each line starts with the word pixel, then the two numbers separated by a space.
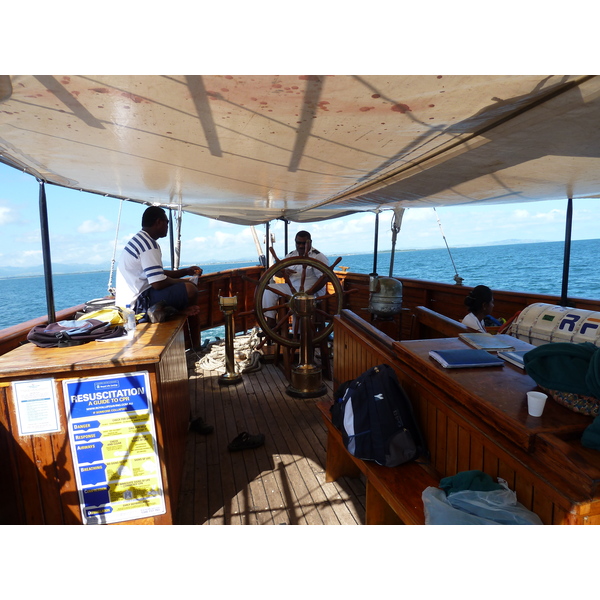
pixel 533 268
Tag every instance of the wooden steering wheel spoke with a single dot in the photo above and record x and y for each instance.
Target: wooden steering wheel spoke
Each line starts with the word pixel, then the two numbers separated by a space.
pixel 327 315
pixel 278 292
pixel 303 278
pixel 286 277
pixel 284 319
pixel 276 307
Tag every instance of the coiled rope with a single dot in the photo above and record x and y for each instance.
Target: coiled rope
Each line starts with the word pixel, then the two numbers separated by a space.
pixel 244 350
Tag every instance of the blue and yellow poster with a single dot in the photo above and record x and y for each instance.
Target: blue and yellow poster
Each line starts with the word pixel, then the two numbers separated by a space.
pixel 113 442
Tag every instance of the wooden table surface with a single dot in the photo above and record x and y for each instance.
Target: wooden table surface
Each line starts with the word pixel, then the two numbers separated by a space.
pixel 145 347
pixel 497 395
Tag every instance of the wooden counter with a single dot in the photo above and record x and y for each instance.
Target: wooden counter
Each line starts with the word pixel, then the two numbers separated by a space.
pixel 477 419
pixel 40 476
pixel 496 395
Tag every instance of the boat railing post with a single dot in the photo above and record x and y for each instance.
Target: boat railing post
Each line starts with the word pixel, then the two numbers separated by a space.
pixel 46 253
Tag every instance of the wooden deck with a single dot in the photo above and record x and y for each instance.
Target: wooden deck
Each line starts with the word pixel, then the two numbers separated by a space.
pixel 280 483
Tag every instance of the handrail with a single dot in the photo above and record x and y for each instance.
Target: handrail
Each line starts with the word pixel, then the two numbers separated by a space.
pixel 382 338
pixel 439 323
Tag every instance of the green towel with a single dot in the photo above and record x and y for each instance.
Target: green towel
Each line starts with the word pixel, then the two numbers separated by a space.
pixel 591 435
pixel 469 480
pixel 565 367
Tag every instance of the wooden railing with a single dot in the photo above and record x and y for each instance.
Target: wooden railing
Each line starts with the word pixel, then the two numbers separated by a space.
pixel 12 337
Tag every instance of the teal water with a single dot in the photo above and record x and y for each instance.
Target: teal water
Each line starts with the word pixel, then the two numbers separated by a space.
pixel 533 268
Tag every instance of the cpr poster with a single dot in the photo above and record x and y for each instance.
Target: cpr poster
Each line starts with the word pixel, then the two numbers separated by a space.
pixel 113 442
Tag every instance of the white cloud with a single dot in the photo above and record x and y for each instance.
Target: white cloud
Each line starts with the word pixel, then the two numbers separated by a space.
pixel 224 239
pixel 99 225
pixel 6 215
pixel 27 258
pixel 199 240
pixel 551 216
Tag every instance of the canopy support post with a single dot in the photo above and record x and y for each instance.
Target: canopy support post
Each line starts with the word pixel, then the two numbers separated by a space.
pixel 567 255
pixel 46 253
pixel 374 273
pixel 268 244
pixel 171 239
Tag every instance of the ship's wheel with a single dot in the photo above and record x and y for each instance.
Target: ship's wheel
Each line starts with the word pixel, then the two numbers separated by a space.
pixel 310 313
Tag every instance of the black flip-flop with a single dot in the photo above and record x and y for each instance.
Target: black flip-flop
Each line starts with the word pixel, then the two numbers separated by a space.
pixel 245 441
pixel 200 426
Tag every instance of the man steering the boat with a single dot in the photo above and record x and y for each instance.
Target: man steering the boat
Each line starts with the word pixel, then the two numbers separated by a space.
pixel 303 248
pixel 142 281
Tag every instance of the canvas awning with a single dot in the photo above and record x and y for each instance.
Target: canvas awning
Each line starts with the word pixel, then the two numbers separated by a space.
pixel 251 149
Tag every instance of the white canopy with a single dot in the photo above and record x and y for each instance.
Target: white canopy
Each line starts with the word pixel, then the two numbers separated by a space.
pixel 251 149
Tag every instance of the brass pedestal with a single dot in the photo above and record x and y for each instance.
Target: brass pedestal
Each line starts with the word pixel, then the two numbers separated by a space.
pixel 228 306
pixel 307 381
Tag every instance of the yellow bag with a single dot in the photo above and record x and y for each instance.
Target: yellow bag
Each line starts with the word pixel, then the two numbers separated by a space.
pixel 112 315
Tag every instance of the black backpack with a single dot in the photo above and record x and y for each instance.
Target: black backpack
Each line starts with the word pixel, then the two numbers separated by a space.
pixel 376 418
pixel 73 333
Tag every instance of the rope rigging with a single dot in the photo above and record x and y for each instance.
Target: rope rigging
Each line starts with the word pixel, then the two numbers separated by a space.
pixel 457 278
pixel 111 289
pixel 395 226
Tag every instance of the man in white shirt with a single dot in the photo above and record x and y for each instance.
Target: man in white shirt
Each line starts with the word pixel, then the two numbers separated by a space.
pixel 141 279
pixel 304 249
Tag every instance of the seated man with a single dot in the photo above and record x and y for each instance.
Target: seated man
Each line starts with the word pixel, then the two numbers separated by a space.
pixel 142 281
pixel 303 248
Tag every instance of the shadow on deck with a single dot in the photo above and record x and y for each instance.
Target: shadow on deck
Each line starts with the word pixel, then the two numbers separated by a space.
pixel 282 482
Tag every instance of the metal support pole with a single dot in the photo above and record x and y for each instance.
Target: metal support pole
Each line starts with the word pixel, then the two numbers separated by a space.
pixel 567 255
pixel 46 253
pixel 286 228
pixel 172 239
pixel 376 243
pixel 267 245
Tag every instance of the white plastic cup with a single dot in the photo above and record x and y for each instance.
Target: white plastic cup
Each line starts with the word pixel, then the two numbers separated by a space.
pixel 535 403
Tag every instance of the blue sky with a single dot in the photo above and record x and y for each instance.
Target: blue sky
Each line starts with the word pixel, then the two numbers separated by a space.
pixel 83 227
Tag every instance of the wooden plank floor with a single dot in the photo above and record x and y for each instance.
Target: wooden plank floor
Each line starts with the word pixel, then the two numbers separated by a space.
pixel 282 482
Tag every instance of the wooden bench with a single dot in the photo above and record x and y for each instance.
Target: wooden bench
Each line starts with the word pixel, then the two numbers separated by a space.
pixel 393 493
pixel 438 323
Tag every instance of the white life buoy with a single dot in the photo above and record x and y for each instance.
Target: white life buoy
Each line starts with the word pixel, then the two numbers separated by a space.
pixel 542 323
